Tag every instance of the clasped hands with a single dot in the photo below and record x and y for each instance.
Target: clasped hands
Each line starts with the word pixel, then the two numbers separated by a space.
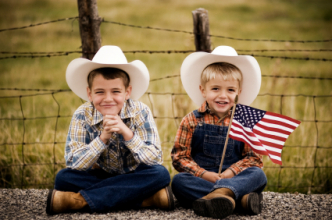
pixel 113 123
pixel 213 177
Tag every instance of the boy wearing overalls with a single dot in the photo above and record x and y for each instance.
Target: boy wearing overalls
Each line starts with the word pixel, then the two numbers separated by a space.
pixel 213 80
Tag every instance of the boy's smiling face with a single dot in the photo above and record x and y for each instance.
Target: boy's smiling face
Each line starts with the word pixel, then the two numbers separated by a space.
pixel 220 94
pixel 108 96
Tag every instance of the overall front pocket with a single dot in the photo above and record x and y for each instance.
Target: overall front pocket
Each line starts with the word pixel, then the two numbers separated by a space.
pixel 214 145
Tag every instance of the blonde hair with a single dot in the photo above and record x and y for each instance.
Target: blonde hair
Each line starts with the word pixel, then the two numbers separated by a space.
pixel 226 70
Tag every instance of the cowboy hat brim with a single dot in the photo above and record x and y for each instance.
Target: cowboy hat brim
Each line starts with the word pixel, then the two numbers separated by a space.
pixel 194 64
pixel 78 70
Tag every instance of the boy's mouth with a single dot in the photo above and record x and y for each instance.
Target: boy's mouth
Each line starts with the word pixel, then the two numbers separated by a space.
pixel 222 103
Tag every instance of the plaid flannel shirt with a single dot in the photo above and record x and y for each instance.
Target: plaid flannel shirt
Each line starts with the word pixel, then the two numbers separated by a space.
pixel 181 152
pixel 84 148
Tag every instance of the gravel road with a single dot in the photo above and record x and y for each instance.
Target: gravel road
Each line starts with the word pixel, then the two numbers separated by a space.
pixel 31 204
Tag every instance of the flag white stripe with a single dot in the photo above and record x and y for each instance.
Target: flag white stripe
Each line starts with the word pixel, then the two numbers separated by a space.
pixel 271 140
pixel 274 149
pixel 275 126
pixel 275 157
pixel 281 119
pixel 270 132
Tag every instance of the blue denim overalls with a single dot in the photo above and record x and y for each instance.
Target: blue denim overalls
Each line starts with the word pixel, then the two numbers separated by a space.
pixel 206 150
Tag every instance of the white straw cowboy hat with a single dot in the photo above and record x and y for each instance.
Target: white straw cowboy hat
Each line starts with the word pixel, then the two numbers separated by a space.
pixel 107 56
pixel 194 64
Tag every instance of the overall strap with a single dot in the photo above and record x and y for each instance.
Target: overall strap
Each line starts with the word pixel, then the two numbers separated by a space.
pixel 197 114
pixel 199 117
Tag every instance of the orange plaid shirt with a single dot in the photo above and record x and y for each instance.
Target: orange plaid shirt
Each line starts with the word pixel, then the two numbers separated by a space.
pixel 181 152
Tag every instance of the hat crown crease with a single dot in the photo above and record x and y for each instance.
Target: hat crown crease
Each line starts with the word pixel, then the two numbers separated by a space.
pixel 110 55
pixel 225 51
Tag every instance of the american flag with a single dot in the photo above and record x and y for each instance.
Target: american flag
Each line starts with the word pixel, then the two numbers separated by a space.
pixel 265 132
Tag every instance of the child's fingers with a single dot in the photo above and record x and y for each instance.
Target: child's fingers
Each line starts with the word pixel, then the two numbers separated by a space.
pixel 111 123
pixel 114 129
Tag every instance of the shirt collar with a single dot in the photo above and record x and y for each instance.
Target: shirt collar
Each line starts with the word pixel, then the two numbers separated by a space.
pixel 127 110
pixel 204 108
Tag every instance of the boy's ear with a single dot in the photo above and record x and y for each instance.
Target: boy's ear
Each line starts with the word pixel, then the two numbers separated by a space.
pixel 88 91
pixel 128 92
pixel 240 90
pixel 202 89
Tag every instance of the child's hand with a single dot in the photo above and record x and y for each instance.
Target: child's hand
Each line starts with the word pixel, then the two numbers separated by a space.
pixel 211 176
pixel 227 174
pixel 113 123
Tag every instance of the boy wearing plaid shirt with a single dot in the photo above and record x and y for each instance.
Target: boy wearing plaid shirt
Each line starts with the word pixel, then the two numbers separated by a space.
pixel 113 154
pixel 212 80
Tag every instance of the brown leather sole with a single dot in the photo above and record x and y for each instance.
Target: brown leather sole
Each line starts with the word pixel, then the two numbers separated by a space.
pixel 49 202
pixel 255 203
pixel 171 202
pixel 219 207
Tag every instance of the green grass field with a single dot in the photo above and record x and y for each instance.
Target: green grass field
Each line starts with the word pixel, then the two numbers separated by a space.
pixel 38 141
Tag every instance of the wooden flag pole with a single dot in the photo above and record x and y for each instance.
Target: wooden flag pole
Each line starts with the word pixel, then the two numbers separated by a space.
pixel 226 142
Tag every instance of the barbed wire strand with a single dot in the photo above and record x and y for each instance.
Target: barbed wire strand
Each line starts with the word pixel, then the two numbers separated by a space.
pixel 170 52
pixel 38 24
pixel 165 51
pixel 211 35
pixel 169 30
pixel 272 76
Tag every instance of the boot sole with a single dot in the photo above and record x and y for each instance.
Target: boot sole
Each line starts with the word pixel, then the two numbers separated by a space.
pixel 216 208
pixel 255 203
pixel 219 207
pixel 199 207
pixel 49 202
pixel 171 202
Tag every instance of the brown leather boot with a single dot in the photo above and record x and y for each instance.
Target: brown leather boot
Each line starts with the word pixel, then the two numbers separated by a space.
pixel 59 202
pixel 252 203
pixel 162 199
pixel 218 204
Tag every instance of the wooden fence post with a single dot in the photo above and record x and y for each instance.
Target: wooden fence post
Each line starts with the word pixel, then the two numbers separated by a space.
pixel 89 22
pixel 201 30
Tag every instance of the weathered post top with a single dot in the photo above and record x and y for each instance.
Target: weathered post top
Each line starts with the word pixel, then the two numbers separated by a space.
pixel 201 30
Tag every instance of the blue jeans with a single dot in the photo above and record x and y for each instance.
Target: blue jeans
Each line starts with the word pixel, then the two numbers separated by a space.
pixel 103 191
pixel 187 188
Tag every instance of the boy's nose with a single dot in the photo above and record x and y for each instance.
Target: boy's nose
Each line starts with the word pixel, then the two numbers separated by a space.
pixel 222 93
pixel 108 97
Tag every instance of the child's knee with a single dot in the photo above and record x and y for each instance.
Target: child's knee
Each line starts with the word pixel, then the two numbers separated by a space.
pixel 178 181
pixel 60 179
pixel 161 174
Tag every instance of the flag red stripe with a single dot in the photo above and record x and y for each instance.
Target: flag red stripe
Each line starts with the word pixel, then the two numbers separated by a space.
pixel 269 144
pixel 283 116
pixel 269 135
pixel 276 161
pixel 248 143
pixel 252 134
pixel 275 122
pixel 272 129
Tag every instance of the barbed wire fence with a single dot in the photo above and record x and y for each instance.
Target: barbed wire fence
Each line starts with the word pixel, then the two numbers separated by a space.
pixel 23 164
